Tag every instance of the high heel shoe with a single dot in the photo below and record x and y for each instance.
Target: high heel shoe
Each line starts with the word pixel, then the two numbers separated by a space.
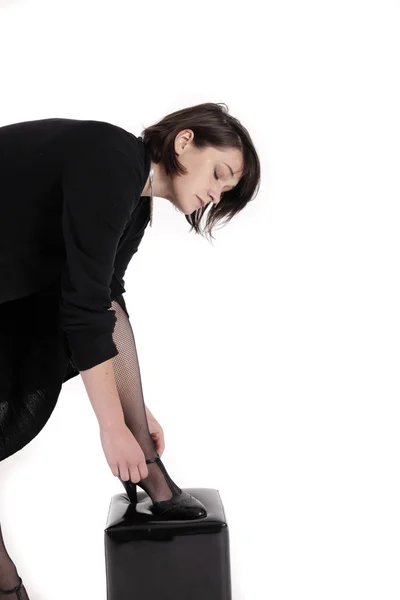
pixel 15 590
pixel 181 506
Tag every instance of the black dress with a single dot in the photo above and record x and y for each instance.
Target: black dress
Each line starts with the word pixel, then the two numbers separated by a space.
pixel 71 219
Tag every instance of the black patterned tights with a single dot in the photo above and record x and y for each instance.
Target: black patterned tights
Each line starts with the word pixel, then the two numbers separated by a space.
pixel 129 386
pixel 9 577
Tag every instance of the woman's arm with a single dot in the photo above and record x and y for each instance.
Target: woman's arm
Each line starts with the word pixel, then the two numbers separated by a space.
pixel 101 388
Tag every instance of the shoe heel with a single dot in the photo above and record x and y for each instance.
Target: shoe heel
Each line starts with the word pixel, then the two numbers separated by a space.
pixel 131 490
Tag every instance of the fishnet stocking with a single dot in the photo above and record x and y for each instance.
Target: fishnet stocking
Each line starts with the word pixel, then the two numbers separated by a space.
pixel 127 376
pixel 9 576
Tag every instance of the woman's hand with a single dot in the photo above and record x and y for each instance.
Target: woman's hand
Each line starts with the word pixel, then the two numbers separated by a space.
pixel 123 453
pixel 156 432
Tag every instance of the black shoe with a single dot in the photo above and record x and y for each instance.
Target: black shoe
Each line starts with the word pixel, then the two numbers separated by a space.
pixel 181 506
pixel 15 590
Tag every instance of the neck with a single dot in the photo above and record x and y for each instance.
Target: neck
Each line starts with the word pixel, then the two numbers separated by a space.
pixel 160 183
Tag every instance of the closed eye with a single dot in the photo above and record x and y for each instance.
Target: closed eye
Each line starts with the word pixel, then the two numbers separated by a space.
pixel 217 178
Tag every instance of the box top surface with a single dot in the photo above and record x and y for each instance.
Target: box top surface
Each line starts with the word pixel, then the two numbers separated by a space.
pixel 138 521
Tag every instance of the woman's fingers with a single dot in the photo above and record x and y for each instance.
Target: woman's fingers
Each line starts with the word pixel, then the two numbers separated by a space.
pixel 143 470
pixel 123 473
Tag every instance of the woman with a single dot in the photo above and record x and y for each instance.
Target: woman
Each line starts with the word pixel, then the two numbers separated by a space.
pixel 76 198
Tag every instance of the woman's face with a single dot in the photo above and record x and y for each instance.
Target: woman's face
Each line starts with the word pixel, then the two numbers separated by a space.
pixel 208 173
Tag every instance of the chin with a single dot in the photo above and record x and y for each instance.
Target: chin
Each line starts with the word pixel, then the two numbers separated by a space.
pixel 182 208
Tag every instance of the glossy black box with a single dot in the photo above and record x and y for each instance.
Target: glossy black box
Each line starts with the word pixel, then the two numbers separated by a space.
pixel 153 558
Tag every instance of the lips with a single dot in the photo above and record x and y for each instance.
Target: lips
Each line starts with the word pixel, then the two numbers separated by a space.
pixel 200 200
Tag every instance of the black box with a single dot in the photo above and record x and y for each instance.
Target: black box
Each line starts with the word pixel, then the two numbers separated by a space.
pixel 153 558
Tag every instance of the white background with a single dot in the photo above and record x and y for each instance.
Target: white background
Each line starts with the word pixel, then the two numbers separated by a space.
pixel 271 358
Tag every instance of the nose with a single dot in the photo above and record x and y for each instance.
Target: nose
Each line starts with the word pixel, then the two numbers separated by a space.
pixel 215 198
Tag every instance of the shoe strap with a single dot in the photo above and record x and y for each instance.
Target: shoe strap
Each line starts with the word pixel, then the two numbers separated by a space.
pixel 14 590
pixel 153 460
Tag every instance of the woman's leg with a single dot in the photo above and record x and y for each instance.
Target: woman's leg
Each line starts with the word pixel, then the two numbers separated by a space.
pixel 127 376
pixel 9 576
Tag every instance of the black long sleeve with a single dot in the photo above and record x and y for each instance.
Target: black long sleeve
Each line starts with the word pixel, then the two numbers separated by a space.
pixel 101 186
pixel 124 255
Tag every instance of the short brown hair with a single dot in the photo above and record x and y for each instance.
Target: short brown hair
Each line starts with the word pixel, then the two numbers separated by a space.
pixel 212 125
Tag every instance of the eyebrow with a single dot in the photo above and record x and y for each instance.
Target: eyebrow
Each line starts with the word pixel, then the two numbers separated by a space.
pixel 232 173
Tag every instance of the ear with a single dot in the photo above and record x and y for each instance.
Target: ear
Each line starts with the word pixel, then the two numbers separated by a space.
pixel 182 139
